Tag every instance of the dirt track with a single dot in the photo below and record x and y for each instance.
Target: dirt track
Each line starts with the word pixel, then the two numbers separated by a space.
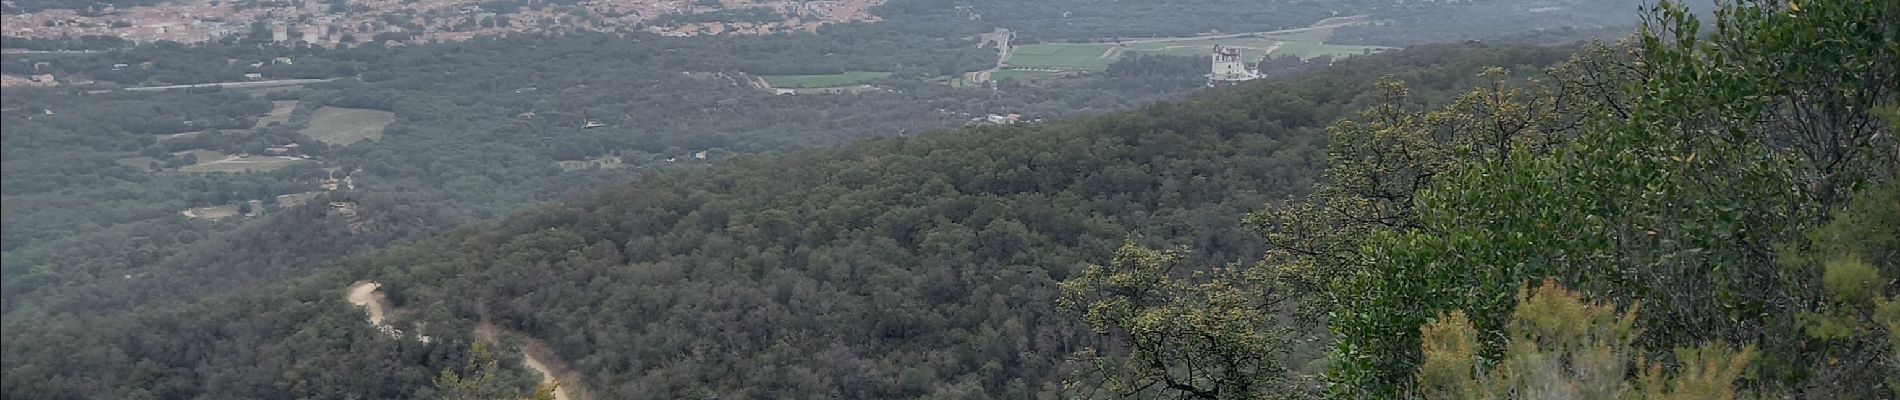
pixel 364 294
pixel 534 354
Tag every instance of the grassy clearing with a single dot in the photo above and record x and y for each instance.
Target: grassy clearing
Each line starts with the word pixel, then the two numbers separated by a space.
pixel 242 164
pixel 1084 56
pixel 212 213
pixel 293 200
pixel 1250 48
pixel 1308 36
pixel 1254 49
pixel 279 113
pixel 1303 44
pixel 1307 51
pixel 816 81
pixel 338 125
pixel 853 89
pixel 1018 74
pixel 267 90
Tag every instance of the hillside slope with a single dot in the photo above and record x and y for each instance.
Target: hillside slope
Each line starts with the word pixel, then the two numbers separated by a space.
pixel 896 268
pixel 890 269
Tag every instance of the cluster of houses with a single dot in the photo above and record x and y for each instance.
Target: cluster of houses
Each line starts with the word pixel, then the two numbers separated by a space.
pixel 320 23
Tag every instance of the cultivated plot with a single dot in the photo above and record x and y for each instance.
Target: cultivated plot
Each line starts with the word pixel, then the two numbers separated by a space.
pixel 1305 44
pixel 338 125
pixel 1083 56
pixel 279 113
pixel 1019 74
pixel 816 81
pixel 243 164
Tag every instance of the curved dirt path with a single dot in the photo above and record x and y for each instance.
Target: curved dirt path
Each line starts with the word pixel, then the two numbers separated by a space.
pixel 365 294
pixel 547 374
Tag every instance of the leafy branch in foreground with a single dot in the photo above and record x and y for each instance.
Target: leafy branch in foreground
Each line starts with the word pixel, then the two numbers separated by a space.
pixel 1563 348
pixel 1211 336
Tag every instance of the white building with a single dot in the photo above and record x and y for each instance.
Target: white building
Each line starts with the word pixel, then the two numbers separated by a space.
pixel 1229 67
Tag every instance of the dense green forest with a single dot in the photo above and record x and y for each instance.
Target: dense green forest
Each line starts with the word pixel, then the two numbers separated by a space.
pixel 1706 210
pixel 468 141
pixel 1163 172
pixel 1723 204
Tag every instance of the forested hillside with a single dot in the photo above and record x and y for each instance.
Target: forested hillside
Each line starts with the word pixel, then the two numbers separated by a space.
pixel 1708 209
pixel 1695 213
pixel 96 181
pixel 910 266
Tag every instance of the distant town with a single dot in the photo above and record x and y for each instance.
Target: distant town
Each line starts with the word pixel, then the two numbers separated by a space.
pixel 356 22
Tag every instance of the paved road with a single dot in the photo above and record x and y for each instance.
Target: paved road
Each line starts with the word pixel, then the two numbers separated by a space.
pixel 1001 37
pixel 233 85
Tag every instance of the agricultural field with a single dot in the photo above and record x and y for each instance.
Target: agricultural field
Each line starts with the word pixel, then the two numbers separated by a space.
pixel 1305 44
pixel 279 112
pixel 297 199
pixel 1019 74
pixel 242 164
pixel 1307 51
pixel 265 91
pixel 212 213
pixel 340 126
pixel 853 89
pixel 817 81
pixel 1083 56
pixel 1250 48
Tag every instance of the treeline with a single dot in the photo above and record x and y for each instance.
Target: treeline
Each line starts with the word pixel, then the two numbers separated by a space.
pixel 1676 217
pixel 896 268
pixel 485 134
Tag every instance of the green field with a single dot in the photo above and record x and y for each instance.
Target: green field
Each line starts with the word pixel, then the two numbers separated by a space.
pixel 242 164
pixel 1250 48
pixel 1018 74
pixel 279 113
pixel 297 199
pixel 212 213
pixel 1089 56
pixel 1085 56
pixel 143 162
pixel 338 125
pixel 815 81
pixel 1307 51
pixel 1304 44
pixel 267 90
